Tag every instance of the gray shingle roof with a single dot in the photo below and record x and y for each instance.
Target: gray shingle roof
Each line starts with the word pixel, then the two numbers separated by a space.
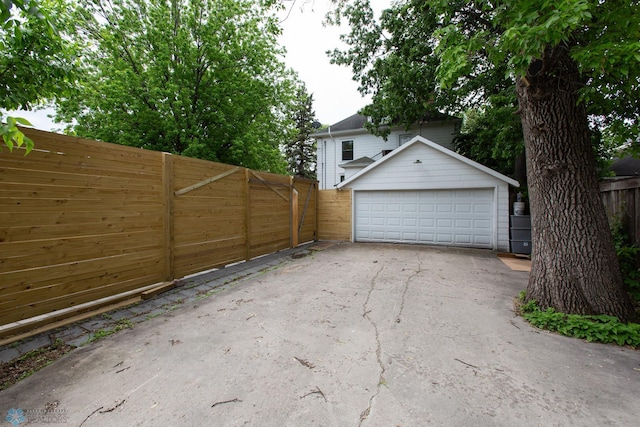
pixel 627 166
pixel 358 163
pixel 356 123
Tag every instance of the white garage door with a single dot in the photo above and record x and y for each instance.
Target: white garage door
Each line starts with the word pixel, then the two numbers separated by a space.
pixel 441 217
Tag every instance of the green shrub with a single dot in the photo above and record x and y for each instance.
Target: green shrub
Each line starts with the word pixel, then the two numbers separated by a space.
pixel 601 328
pixel 627 257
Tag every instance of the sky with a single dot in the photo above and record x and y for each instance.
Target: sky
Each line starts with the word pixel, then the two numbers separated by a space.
pixel 335 93
pixel 306 40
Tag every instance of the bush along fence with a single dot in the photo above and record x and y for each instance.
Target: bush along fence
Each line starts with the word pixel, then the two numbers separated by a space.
pixel 621 198
pixel 88 224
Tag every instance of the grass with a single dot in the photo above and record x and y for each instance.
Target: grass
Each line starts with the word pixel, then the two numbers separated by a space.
pixel 103 333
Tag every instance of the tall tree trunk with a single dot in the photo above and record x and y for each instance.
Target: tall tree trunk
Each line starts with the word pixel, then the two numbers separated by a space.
pixel 574 265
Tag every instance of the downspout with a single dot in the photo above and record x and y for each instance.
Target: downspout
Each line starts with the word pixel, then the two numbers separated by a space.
pixel 324 165
pixel 334 154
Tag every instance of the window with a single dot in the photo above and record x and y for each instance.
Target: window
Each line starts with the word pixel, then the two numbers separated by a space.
pixel 347 150
pixel 341 178
pixel 404 138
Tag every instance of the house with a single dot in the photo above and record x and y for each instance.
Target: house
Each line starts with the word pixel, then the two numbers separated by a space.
pixel 423 192
pixel 346 147
pixel 626 167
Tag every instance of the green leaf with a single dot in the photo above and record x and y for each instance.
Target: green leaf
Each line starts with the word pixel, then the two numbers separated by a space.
pixel 23 121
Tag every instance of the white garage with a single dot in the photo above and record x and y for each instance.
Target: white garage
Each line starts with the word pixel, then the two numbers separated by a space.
pixel 461 217
pixel 425 193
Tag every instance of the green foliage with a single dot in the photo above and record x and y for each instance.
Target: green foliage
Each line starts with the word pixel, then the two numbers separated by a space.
pixel 13 136
pixel 301 151
pixel 451 56
pixel 601 328
pixel 103 333
pixel 36 61
pixel 628 255
pixel 492 135
pixel 202 78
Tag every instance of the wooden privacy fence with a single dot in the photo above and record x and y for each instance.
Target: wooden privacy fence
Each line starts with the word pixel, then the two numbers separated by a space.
pixel 621 198
pixel 85 223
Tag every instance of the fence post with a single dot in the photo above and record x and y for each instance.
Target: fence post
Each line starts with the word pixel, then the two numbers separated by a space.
pixel 247 214
pixel 167 215
pixel 294 216
pixel 317 195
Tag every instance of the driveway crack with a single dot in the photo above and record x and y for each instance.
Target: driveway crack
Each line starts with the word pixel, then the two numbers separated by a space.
pixel 381 381
pixel 406 289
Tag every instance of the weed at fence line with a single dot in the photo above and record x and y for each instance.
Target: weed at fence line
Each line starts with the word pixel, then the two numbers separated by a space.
pixel 103 333
pixel 600 328
pixel 31 362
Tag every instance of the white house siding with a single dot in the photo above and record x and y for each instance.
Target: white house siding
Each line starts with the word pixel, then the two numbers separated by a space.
pixel 329 152
pixel 437 170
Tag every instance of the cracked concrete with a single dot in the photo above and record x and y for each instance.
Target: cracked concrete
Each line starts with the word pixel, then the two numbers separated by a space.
pixel 353 335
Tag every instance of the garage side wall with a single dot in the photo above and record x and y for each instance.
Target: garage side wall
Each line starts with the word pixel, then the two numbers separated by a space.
pixel 421 167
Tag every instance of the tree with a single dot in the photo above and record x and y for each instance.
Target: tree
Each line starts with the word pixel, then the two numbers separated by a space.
pixel 565 60
pixel 202 78
pixel 36 62
pixel 492 135
pixel 301 151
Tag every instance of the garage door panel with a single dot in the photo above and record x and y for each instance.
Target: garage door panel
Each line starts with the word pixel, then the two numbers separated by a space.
pixel 410 222
pixel 481 240
pixel 463 223
pixel 444 238
pixel 427 222
pixel 377 220
pixel 443 223
pixel 463 239
pixel 463 208
pixel 448 217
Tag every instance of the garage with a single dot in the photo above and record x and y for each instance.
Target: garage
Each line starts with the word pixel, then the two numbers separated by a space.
pixel 425 193
pixel 460 217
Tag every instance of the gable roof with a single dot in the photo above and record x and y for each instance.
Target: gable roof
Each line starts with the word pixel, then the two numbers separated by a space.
pixel 437 147
pixel 356 122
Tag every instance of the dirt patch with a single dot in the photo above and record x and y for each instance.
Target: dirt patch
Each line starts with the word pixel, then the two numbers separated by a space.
pixel 21 367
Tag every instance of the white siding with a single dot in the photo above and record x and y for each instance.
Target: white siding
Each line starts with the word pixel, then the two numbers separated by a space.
pixel 367 145
pixel 437 170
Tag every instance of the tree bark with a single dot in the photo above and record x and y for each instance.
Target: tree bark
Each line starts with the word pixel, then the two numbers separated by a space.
pixel 574 264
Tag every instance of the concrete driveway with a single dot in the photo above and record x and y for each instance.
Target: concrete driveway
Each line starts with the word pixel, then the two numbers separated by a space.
pixel 355 334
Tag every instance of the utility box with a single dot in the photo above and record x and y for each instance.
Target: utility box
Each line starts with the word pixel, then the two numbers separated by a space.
pixel 521 234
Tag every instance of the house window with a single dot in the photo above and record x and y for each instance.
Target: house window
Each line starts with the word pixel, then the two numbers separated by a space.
pixel 341 178
pixel 404 138
pixel 347 150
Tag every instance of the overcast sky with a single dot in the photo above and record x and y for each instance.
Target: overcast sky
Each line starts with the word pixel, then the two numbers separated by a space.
pixel 334 92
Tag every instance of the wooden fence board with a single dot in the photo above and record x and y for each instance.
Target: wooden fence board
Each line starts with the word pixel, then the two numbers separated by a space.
pixel 49 306
pixel 86 220
pixel 58 288
pixel 621 198
pixel 84 269
pixel 334 215
pixel 15 176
